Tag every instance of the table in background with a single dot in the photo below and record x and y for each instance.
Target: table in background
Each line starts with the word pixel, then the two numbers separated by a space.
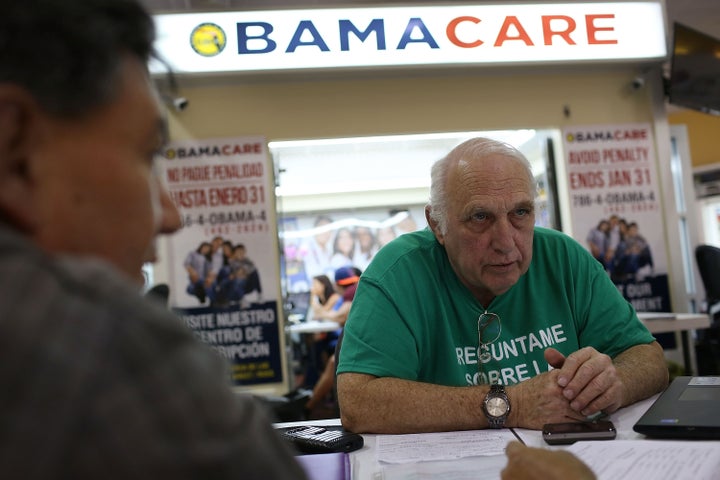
pixel 312 326
pixel 660 322
pixel 307 330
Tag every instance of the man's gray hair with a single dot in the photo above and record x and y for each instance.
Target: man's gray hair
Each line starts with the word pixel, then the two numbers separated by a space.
pixel 473 148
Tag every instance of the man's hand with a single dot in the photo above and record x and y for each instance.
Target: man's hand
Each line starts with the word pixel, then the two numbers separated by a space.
pixel 538 401
pixel 588 379
pixel 527 463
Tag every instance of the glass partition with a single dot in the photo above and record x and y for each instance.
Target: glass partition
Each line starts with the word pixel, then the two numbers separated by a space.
pixel 340 200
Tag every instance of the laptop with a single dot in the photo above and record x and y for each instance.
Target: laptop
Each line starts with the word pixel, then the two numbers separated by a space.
pixel 688 409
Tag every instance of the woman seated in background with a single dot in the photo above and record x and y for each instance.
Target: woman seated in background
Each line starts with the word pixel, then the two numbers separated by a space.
pixel 346 281
pixel 323 296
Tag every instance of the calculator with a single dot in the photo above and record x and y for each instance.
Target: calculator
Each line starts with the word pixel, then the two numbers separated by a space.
pixel 315 439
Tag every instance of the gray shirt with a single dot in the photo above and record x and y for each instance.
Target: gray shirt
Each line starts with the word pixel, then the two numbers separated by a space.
pixel 98 382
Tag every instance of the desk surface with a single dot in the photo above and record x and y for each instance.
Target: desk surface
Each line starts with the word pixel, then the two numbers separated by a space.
pixel 366 467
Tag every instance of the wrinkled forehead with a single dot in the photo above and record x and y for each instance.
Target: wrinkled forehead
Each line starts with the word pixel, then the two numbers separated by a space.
pixel 491 171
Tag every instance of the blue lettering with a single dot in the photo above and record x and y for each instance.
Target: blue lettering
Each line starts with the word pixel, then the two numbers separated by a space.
pixel 317 40
pixel 244 38
pixel 377 26
pixel 416 23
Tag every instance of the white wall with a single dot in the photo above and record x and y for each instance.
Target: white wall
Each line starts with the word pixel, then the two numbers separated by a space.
pixel 289 108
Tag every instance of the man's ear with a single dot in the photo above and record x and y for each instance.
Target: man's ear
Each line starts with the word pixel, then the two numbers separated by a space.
pixel 434 226
pixel 19 123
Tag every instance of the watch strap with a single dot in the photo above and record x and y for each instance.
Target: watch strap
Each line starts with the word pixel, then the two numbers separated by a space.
pixel 496 391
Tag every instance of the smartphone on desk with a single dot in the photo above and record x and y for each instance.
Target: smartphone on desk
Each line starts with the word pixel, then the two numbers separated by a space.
pixel 571 432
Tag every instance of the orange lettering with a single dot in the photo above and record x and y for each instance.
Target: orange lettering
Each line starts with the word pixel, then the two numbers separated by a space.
pixel 592 29
pixel 452 35
pixel 548 32
pixel 503 34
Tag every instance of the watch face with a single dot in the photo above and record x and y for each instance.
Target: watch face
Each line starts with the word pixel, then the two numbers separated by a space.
pixel 496 407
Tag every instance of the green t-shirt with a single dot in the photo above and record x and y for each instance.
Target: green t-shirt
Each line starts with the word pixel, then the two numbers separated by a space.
pixel 412 318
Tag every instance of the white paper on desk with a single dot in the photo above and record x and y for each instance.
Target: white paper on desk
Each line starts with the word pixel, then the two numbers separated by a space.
pixel 424 447
pixel 470 468
pixel 656 459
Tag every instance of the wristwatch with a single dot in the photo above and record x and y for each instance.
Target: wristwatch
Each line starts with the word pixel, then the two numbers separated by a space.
pixel 496 406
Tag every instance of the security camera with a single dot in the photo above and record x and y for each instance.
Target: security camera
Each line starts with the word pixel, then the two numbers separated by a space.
pixel 180 103
pixel 638 83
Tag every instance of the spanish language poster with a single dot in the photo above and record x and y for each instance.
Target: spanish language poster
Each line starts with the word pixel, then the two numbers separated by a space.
pixel 615 207
pixel 224 275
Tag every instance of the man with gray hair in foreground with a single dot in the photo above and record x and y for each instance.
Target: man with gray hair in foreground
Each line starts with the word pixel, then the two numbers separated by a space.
pixel 97 382
pixel 484 320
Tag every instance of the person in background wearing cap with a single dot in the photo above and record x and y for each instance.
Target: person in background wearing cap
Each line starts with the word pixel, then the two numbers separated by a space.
pixel 346 281
pixel 98 382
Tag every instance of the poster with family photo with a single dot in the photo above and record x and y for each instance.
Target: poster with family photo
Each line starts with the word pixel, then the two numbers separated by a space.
pixel 224 262
pixel 318 244
pixel 615 208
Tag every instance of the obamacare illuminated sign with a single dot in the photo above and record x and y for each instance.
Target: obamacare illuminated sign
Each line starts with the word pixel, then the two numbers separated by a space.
pixel 396 36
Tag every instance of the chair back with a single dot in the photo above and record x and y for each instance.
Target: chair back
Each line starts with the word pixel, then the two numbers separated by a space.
pixel 159 293
pixel 708 262
pixel 707 344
